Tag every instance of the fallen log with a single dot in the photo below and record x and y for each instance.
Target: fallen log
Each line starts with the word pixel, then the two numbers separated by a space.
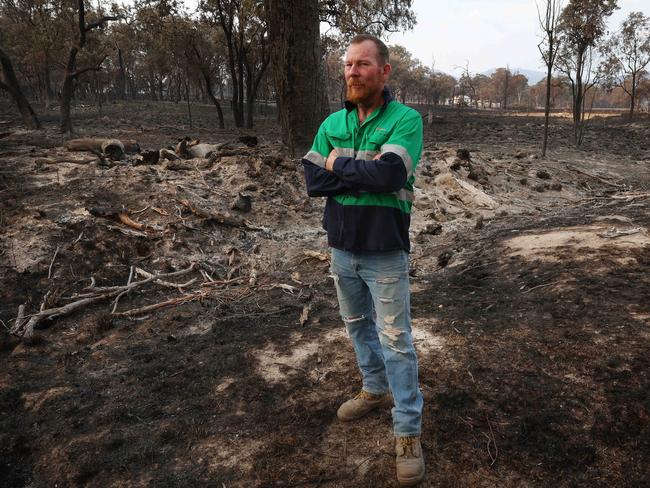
pixel 168 154
pixel 115 149
pixel 182 148
pixel 203 150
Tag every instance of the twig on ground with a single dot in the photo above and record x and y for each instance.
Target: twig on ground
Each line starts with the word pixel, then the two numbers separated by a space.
pixel 207 277
pixel 480 265
pixel 140 211
pixel 491 441
pixel 599 178
pixel 101 289
pixel 20 318
pixel 166 303
pixel 49 271
pixel 178 286
pixel 50 313
pixel 543 285
pixel 630 197
pixel 44 301
pixel 258 314
pixel 5 325
pixel 224 282
pixel 196 167
pixel 117 298
pixel 128 232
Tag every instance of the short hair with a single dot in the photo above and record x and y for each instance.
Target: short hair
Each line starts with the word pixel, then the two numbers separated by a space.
pixel 382 50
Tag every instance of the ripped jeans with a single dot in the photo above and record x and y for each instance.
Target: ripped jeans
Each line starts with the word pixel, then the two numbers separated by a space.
pixel 374 301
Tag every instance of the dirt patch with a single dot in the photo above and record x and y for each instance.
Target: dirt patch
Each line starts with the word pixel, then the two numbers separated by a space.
pixel 551 245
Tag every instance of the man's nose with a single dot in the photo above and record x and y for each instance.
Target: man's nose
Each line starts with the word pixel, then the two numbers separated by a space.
pixel 354 70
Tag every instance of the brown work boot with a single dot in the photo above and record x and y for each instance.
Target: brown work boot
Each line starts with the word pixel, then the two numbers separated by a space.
pixel 361 404
pixel 409 460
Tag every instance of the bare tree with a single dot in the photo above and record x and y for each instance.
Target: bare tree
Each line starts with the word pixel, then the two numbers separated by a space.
pixel 581 26
pixel 207 58
pixel 627 54
pixel 370 16
pixel 548 48
pixel 71 71
pixel 298 70
pixel 466 85
pixel 245 29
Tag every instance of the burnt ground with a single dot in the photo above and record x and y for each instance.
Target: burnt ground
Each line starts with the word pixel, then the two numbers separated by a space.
pixel 530 286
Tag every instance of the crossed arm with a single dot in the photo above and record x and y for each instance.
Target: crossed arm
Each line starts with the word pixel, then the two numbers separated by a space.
pixel 384 173
pixel 387 172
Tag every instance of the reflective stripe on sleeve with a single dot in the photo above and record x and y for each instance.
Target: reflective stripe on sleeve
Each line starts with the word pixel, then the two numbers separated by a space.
pixel 405 195
pixel 345 152
pixel 366 155
pixel 402 153
pixel 315 158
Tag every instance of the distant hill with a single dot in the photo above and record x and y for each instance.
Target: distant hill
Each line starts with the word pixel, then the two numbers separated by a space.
pixel 532 75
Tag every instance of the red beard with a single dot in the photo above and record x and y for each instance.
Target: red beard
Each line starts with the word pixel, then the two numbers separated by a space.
pixel 357 93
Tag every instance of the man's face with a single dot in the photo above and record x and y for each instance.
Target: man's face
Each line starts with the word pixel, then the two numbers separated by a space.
pixel 365 75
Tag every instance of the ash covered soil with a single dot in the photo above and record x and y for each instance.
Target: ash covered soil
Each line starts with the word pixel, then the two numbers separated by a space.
pixel 530 286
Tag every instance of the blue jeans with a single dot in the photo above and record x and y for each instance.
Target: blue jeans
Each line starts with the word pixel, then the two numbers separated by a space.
pixel 374 301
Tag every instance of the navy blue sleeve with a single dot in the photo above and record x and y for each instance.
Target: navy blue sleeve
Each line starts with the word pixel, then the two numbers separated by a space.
pixel 384 175
pixel 322 183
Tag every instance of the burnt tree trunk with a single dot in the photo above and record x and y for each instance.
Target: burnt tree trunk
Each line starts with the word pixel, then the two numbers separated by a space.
pixel 297 70
pixel 121 76
pixel 547 105
pixel 208 89
pixel 67 91
pixel 47 80
pixel 253 79
pixel 633 95
pixel 207 79
pixel 10 84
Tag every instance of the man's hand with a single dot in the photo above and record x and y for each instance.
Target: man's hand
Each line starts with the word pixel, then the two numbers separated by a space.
pixel 329 164
pixel 377 157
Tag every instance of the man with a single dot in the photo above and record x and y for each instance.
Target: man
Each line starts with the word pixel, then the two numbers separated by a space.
pixel 363 160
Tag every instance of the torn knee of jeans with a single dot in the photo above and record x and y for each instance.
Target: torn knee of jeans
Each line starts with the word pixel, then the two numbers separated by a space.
pixel 386 300
pixel 393 338
pixel 389 319
pixel 387 280
pixel 391 333
pixel 353 318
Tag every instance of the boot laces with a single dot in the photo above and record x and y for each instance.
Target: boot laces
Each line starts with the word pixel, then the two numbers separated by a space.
pixel 407 444
pixel 364 395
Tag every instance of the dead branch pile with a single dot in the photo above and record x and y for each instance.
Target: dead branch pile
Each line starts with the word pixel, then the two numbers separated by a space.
pixel 25 324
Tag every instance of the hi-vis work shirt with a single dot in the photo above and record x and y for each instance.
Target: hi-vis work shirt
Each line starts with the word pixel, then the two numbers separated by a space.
pixel 368 201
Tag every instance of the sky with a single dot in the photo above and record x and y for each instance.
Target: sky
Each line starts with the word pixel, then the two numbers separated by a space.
pixel 484 33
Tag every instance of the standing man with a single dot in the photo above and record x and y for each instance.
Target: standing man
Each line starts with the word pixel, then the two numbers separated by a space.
pixel 363 160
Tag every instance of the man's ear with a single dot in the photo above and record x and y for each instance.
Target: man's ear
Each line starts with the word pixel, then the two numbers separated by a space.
pixel 387 70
